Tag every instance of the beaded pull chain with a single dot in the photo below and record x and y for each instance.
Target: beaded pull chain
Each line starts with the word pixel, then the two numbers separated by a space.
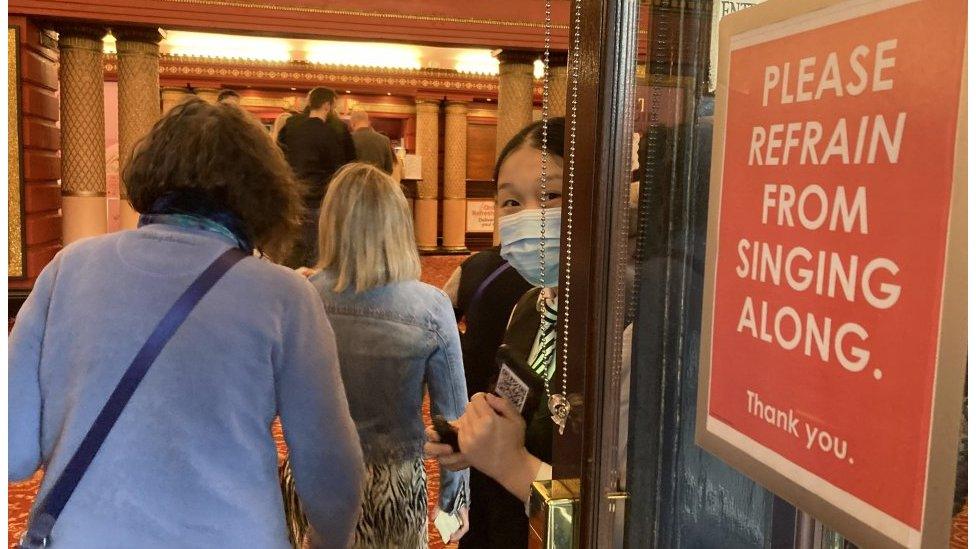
pixel 559 406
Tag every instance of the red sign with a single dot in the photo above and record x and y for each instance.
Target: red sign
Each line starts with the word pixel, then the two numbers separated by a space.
pixel 834 192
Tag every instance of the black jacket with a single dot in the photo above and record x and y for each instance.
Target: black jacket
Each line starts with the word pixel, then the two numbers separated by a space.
pixel 486 318
pixel 497 517
pixel 316 149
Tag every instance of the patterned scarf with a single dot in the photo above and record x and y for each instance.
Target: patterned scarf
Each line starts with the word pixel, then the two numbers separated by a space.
pixel 194 211
pixel 544 360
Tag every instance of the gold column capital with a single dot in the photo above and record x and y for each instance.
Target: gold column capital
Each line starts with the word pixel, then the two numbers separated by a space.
pixel 456 107
pixel 80 35
pixel 138 35
pixel 80 42
pixel 126 48
pixel 428 106
pixel 517 58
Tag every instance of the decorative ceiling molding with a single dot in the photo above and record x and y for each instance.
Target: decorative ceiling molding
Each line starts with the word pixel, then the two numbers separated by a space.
pixel 239 72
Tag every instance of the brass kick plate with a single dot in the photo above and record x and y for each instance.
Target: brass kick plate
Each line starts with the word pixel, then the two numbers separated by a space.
pixel 553 512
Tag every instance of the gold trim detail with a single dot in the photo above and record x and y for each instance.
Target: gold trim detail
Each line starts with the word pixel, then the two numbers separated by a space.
pixel 15 254
pixel 83 194
pixel 201 67
pixel 365 13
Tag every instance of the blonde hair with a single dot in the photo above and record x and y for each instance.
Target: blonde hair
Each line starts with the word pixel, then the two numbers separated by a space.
pixel 366 234
pixel 279 124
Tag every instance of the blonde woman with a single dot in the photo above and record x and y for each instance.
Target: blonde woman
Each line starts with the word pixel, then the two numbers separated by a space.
pixel 279 124
pixel 396 338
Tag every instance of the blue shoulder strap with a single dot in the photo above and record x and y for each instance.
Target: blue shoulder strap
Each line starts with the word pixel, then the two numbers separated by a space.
pixel 47 513
pixel 476 297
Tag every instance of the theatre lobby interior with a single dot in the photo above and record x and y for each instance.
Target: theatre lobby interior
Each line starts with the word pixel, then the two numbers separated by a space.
pixel 699 300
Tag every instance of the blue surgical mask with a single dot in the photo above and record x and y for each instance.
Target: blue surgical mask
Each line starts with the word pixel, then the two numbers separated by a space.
pixel 521 235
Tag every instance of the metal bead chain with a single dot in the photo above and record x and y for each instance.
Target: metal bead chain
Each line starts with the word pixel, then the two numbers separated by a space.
pixel 564 290
pixel 544 177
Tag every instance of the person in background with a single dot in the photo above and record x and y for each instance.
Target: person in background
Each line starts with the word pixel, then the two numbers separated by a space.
pixel 279 124
pixel 483 289
pixel 229 97
pixel 397 338
pixel 290 110
pixel 316 145
pixel 191 461
pixel 371 146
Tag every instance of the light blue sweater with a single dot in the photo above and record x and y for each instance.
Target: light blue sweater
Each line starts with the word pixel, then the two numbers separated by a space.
pixel 191 462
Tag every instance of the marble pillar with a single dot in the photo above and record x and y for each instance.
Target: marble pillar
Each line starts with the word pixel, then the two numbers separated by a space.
pixel 82 132
pixel 454 204
pixel 139 100
pixel 515 94
pixel 425 207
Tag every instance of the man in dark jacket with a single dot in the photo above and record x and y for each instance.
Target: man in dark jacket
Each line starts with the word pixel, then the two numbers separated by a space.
pixel 316 144
pixel 371 146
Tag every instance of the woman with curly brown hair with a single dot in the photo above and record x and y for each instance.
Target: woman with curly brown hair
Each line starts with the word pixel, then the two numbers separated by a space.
pixel 191 461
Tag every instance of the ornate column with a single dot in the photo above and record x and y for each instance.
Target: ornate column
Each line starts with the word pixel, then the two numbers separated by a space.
pixel 558 76
pixel 455 175
pixel 82 132
pixel 208 94
pixel 425 208
pixel 138 54
pixel 514 94
pixel 172 97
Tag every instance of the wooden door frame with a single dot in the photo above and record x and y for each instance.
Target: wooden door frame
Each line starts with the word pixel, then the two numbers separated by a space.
pixel 594 253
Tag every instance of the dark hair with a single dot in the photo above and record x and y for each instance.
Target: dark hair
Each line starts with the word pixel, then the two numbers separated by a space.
pixel 531 136
pixel 320 96
pixel 224 94
pixel 220 154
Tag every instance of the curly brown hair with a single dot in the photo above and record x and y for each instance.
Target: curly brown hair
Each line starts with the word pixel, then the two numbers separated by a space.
pixel 221 153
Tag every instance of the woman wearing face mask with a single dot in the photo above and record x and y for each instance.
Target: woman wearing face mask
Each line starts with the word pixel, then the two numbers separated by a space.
pixel 498 517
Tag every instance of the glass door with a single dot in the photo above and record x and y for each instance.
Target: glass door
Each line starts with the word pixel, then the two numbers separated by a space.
pixel 639 120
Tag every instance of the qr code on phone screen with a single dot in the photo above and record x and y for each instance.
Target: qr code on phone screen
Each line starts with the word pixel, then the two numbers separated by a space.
pixel 510 387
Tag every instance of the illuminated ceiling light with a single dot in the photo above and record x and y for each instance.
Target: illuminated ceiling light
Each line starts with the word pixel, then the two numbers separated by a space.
pixel 389 93
pixel 200 44
pixel 488 100
pixel 362 54
pixel 293 89
pixel 476 61
pixel 538 69
pixel 347 91
pixel 108 44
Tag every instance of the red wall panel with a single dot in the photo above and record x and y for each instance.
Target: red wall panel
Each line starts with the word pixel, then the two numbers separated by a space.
pixel 40 146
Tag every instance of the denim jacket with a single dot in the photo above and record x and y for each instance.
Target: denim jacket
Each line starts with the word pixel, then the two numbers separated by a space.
pixel 394 342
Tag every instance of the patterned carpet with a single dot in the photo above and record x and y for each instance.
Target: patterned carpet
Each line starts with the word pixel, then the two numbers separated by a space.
pixel 20 495
pixel 436 270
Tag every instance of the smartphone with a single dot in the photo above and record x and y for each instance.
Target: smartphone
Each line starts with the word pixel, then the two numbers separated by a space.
pixel 446 432
pixel 517 383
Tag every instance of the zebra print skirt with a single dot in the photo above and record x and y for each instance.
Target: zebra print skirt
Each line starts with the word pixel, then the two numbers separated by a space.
pixel 394 507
